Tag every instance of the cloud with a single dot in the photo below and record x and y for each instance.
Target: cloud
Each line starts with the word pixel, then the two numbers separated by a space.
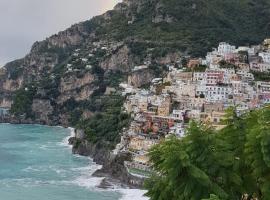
pixel 25 21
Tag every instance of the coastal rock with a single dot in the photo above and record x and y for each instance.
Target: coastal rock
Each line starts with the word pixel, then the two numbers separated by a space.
pixel 79 134
pixel 113 165
pixel 115 169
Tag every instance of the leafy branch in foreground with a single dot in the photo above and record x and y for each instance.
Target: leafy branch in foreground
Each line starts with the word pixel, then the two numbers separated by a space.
pixel 206 164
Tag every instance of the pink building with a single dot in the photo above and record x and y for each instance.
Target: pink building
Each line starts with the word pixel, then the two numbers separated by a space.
pixel 213 77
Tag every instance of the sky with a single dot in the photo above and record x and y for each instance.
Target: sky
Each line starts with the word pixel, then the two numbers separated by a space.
pixel 23 22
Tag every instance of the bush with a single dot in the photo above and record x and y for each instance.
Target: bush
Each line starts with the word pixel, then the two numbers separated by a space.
pixel 22 101
pixel 108 121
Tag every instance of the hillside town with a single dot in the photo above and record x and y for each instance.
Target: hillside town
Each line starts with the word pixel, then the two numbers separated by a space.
pixel 201 90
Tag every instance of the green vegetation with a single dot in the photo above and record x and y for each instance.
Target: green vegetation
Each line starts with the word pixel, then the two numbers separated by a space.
pixel 15 72
pixel 158 70
pixel 200 68
pixel 261 76
pixel 107 122
pixel 224 164
pixel 114 78
pixel 196 25
pixel 23 101
pixel 226 65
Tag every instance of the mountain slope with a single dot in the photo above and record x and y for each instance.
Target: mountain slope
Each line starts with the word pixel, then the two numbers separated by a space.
pixel 192 25
pixel 66 77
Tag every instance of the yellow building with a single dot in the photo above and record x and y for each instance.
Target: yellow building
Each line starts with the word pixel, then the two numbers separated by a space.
pixel 143 105
pixel 217 106
pixel 140 143
pixel 141 159
pixel 164 109
pixel 217 117
pixel 266 43
pixel 213 118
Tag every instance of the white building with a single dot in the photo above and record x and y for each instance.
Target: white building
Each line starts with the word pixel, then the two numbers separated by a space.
pixel 178 115
pixel 260 67
pixel 141 67
pixel 177 130
pixel 250 50
pixel 245 76
pixel 265 56
pixel 214 93
pixel 225 48
pixel 263 87
pixel 237 87
pixel 198 76
pixel 183 89
pixel 212 59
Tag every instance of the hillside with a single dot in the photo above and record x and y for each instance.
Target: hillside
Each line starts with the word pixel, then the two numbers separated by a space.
pixel 65 79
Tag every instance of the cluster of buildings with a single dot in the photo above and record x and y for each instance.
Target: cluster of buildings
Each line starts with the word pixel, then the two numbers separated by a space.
pixel 201 91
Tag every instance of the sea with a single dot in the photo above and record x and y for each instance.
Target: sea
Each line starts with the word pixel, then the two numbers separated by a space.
pixel 36 163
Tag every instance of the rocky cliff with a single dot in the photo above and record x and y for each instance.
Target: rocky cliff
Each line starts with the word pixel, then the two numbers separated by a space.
pixel 113 169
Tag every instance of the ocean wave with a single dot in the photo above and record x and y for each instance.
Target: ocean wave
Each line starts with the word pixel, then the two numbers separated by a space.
pixel 51 168
pixel 86 179
pixel 89 182
pixel 32 182
pixel 133 194
pixel 89 169
pixel 65 142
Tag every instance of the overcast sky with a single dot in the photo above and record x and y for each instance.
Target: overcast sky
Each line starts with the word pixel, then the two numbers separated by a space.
pixel 25 21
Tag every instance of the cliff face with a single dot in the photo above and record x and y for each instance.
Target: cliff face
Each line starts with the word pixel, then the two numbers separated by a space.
pixel 140 78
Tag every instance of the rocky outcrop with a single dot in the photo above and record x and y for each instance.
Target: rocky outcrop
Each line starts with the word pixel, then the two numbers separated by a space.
pixel 113 167
pixel 141 77
pixel 78 88
pixel 72 82
pixel 42 109
pixel 12 85
pixel 119 60
pixel 83 147
pixel 71 37
pixel 5 102
pixel 161 16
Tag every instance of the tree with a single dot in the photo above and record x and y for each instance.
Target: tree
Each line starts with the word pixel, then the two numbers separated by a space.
pixel 232 163
pixel 212 197
pixel 257 150
pixel 192 168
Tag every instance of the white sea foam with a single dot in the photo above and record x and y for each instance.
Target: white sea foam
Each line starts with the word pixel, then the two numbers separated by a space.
pixel 88 182
pixel 65 140
pixel 135 194
pixel 86 179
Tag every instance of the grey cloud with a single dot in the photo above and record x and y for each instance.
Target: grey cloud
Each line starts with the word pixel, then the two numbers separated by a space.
pixel 23 22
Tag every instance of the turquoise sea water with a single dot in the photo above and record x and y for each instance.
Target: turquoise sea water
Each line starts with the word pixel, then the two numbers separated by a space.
pixel 36 164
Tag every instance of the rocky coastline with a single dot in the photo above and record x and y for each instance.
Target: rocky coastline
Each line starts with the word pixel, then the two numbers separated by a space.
pixel 113 168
